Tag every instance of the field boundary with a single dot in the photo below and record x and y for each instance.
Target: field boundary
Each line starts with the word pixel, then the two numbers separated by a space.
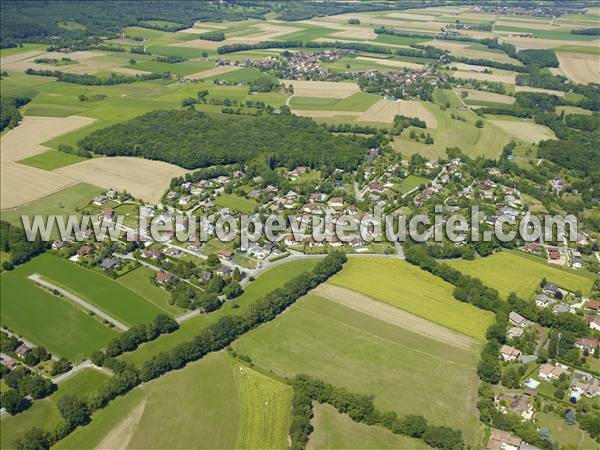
pixel 394 316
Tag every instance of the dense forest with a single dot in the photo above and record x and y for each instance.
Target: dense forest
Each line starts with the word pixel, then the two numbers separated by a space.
pixel 193 139
pixel 14 241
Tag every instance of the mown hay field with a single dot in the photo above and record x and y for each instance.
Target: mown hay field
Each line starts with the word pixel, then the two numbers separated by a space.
pixel 515 272
pixel 407 287
pixel 352 350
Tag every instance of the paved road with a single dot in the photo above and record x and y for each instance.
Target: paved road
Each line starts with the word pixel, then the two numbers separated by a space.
pixel 37 278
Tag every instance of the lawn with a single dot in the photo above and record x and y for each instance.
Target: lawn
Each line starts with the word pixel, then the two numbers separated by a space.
pixel 335 430
pixel 235 203
pixel 52 159
pixel 562 433
pixel 268 281
pixel 46 319
pixel 199 404
pixel 516 272
pixel 411 182
pixel 60 203
pixel 96 288
pixel 138 281
pixel 407 287
pixel 349 349
pixel 265 410
pixel 44 413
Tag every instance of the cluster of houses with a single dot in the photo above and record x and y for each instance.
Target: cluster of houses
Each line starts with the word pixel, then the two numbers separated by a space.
pixel 503 440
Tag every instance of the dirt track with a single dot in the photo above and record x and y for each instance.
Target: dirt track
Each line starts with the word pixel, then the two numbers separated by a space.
pixel 394 316
pixel 119 436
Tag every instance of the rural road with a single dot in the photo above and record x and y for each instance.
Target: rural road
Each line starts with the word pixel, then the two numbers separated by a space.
pixel 37 278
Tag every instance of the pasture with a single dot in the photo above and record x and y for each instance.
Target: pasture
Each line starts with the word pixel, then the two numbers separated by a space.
pixel 323 89
pixel 409 288
pixel 46 319
pixel 386 110
pixel 235 203
pixel 475 97
pixel 199 403
pixel 349 349
pixel 358 102
pixel 268 281
pixel 138 281
pixel 529 132
pixel 96 288
pixel 265 410
pixel 44 412
pixel 336 430
pixel 50 160
pixel 516 272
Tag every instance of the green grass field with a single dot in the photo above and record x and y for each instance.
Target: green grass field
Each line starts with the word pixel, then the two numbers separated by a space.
pixel 198 404
pixel 182 68
pixel 349 349
pixel 516 272
pixel 103 292
pixel 361 101
pixel 307 33
pixel 24 48
pixel 411 182
pixel 44 413
pixel 60 203
pixel 146 33
pixel 138 281
pixel 559 35
pixel 407 287
pixel 400 40
pixel 487 141
pixel 562 433
pixel 265 283
pixel 335 430
pixel 46 319
pixel 265 410
pixel 235 203
pixel 246 74
pixel 52 159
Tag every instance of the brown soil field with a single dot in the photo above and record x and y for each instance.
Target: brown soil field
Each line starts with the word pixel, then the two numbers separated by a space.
pixel 384 111
pixel 19 56
pixel 464 49
pixel 355 33
pixel 581 68
pixel 212 72
pixel 89 62
pixel 142 178
pixel 542 90
pixel 310 113
pixel 327 89
pixel 390 62
pixel 394 316
pixel 526 131
pixel 26 139
pixel 507 77
pixel 488 96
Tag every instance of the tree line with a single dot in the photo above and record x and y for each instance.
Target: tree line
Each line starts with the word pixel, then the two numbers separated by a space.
pixel 13 240
pixel 214 337
pixel 361 409
pixel 93 80
pixel 10 116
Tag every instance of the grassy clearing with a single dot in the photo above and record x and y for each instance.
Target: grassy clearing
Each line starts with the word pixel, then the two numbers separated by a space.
pixel 146 33
pixel 46 319
pixel 44 413
pixel 562 433
pixel 235 203
pixel 349 349
pixel 61 203
pixel 407 287
pixel 411 182
pixel 335 430
pixel 265 410
pixel 487 141
pixel 265 283
pixel 516 272
pixel 52 159
pixel 198 404
pixel 24 48
pixel 101 291
pixel 138 281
